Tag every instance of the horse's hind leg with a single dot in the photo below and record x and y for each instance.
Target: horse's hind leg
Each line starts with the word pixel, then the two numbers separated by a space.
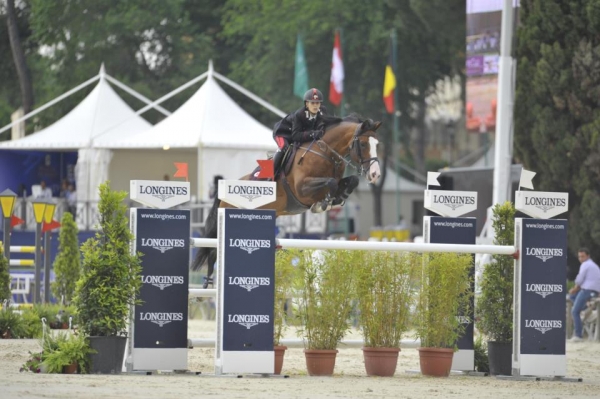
pixel 345 187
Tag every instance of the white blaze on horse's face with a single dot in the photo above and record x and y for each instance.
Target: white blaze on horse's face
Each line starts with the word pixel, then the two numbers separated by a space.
pixel 374 170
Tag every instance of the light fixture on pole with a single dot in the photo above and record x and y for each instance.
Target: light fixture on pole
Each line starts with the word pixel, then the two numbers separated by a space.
pixel 48 215
pixel 39 210
pixel 7 200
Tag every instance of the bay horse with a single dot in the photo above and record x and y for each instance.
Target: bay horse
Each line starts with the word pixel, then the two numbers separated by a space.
pixel 315 180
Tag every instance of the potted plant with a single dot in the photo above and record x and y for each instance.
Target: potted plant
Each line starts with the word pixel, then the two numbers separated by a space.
pixel 495 303
pixel 284 277
pixel 384 287
pixel 325 284
pixel 109 284
pixel 67 263
pixel 11 324
pixel 5 293
pixel 445 293
pixel 70 355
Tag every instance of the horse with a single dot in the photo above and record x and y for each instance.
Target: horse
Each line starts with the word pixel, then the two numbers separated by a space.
pixel 315 180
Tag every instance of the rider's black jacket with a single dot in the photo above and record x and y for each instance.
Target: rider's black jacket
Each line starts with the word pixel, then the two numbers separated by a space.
pixel 298 127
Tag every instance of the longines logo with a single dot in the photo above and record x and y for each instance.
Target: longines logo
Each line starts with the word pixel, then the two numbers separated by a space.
pixel 249 245
pixel 163 244
pixel 543 325
pixel 545 203
pixel 544 253
pixel 162 282
pixel 248 320
pixel 453 201
pixel 544 289
pixel 250 192
pixel 249 283
pixel 163 192
pixel 160 318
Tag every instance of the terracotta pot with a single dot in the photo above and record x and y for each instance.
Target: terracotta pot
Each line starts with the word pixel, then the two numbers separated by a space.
pixel 320 362
pixel 70 369
pixel 436 362
pixel 381 361
pixel 279 353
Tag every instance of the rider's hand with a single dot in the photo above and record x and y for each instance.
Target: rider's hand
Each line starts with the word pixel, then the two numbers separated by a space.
pixel 317 134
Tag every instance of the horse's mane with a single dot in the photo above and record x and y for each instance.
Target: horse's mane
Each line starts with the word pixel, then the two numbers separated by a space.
pixel 332 121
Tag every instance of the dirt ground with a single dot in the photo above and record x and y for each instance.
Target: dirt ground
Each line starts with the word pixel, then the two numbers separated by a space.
pixel 349 380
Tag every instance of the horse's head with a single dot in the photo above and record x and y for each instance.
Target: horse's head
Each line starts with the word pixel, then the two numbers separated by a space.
pixel 363 150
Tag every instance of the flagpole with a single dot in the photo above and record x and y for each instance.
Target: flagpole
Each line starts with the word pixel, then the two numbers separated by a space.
pixel 342 114
pixel 396 132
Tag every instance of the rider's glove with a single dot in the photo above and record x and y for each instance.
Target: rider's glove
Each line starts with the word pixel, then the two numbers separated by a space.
pixel 317 134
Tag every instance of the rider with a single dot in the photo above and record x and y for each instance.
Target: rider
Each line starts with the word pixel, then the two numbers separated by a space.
pixel 306 124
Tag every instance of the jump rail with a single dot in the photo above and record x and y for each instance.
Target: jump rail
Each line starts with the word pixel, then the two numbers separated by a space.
pixel 377 246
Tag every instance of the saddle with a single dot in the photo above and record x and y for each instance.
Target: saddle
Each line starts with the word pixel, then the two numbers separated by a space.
pixel 287 162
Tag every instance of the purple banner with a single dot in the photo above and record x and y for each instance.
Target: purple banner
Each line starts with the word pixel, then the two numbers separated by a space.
pixel 475 65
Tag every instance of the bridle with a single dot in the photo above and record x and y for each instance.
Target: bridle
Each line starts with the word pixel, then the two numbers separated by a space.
pixel 339 158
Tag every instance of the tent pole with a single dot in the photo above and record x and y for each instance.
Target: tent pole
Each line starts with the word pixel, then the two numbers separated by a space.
pixel 136 94
pixel 51 103
pixel 249 94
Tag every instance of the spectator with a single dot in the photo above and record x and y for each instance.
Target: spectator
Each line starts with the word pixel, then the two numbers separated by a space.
pixel 587 286
pixel 64 189
pixel 71 200
pixel 45 192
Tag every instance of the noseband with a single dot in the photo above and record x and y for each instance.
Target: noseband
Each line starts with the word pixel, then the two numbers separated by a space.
pixel 355 146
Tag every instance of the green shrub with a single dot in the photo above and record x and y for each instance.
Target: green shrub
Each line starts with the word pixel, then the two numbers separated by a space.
pixel 495 304
pixel 284 279
pixel 67 263
pixel 5 293
pixel 11 324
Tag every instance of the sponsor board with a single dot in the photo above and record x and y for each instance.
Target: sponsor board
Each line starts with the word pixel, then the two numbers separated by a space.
pixel 446 230
pixel 158 193
pixel 247 194
pixel 450 203
pixel 161 320
pixel 541 204
pixel 540 302
pixel 247 269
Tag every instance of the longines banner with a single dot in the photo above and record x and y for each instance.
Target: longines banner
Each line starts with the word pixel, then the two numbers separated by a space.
pixel 450 203
pixel 158 193
pixel 541 273
pixel 246 288
pixel 444 230
pixel 247 194
pixel 162 236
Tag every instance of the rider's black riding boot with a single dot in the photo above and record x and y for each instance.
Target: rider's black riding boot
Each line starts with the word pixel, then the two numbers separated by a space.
pixel 277 158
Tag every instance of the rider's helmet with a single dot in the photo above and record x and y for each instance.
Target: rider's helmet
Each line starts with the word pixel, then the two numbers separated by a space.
pixel 314 95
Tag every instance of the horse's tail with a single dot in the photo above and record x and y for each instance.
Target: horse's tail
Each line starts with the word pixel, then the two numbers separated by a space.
pixel 210 231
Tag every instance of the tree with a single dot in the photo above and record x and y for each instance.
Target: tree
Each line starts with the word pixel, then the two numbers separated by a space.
pixel 67 263
pixel 556 111
pixel 19 57
pixel 5 293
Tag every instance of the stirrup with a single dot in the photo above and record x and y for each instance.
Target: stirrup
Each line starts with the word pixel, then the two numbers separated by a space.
pixel 207 281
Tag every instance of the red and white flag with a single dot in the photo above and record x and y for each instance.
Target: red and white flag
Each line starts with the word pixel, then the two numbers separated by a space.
pixel 336 83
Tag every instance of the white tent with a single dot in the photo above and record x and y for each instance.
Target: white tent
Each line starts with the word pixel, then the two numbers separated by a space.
pixel 228 140
pixel 102 113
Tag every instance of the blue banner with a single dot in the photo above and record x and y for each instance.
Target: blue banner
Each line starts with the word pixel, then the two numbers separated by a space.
pixel 163 236
pixel 543 286
pixel 248 286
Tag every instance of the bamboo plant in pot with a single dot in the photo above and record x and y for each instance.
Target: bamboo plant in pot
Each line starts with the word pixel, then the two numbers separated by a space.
pixel 445 293
pixel 109 284
pixel 284 278
pixel 325 283
pixel 384 285
pixel 495 304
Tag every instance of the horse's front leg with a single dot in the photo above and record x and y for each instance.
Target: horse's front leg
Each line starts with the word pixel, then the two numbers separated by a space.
pixel 314 187
pixel 345 187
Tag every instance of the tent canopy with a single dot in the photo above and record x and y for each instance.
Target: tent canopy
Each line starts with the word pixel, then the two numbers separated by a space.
pixel 209 119
pixel 102 114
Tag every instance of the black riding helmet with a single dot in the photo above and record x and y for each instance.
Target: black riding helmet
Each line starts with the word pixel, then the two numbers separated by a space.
pixel 313 95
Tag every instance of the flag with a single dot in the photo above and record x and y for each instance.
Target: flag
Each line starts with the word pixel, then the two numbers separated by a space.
pixel 432 179
pixel 266 169
pixel 336 83
pixel 50 226
pixel 15 221
pixel 389 84
pixel 525 180
pixel 300 70
pixel 182 170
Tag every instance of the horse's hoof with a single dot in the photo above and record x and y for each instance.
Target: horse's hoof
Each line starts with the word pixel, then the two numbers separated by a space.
pixel 207 281
pixel 320 206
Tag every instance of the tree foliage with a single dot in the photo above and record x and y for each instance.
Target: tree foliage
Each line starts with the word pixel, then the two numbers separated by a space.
pixel 67 263
pixel 557 117
pixel 5 293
